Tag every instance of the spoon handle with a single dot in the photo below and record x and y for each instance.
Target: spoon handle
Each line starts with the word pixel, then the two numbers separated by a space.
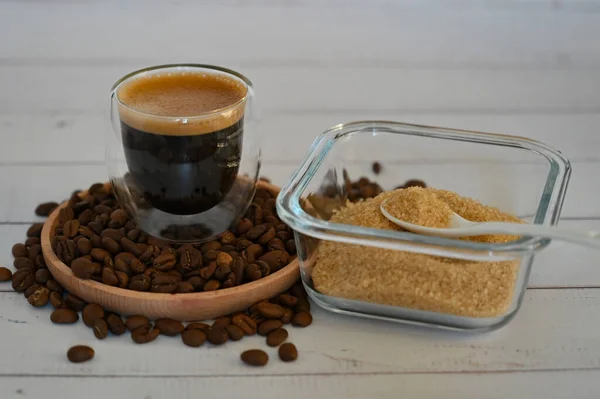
pixel 588 238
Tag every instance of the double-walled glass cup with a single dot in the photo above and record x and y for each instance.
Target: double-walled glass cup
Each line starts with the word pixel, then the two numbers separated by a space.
pixel 184 177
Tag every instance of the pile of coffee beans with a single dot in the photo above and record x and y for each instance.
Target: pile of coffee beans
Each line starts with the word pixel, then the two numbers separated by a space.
pixel 98 241
pixel 96 238
pixel 364 188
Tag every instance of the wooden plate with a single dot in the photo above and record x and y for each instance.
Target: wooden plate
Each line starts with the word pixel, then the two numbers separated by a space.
pixel 183 307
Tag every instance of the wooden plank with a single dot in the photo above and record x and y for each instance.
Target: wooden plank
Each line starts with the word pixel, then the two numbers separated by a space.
pixel 80 138
pixel 549 385
pixel 450 34
pixel 555 330
pixel 560 265
pixel 296 89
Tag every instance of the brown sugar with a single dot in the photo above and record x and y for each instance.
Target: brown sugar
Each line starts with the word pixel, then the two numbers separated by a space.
pixel 419 206
pixel 413 280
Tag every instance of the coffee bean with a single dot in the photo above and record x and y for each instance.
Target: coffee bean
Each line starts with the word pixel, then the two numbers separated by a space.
pixel 137 321
pixel 270 310
pixel 66 251
pixel 234 332
pixel 255 213
pixel 119 216
pixel 303 305
pixel 100 328
pixel 277 336
pixel 210 246
pixel 19 251
pixel 163 284
pixel 86 217
pixel 80 354
pixel 267 326
pixel 65 214
pixel 111 245
pixel 212 285
pixel 140 282
pixel 169 327
pixel 71 228
pixel 302 319
pixel 257 231
pixel 217 336
pixel 268 236
pixel 115 324
pixel 45 209
pixel 290 247
pixel 275 259
pixel 165 262
pixel 34 251
pixel 84 268
pixel 64 316
pixel 40 297
pixel 288 352
pixel 35 230
pixel 123 279
pixel 376 167
pixel 5 274
pixel 29 291
pixel 224 260
pixel 253 272
pixel 91 313
pixel 287 300
pixel 99 255
pixel 246 323
pixel 144 334
pixel 243 244
pixel 96 241
pixel 255 357
pixel 287 315
pixel 40 263
pixel 193 338
pixel 276 244
pixel 109 277
pixel 53 285
pixel 184 287
pixel 23 263
pixel 264 268
pixel 74 302
pixel 197 282
pixel 84 246
pixel 298 291
pixel 221 322
pixel 253 252
pixel 32 241
pixel 243 226
pixel 56 300
pixel 22 279
pixel 284 235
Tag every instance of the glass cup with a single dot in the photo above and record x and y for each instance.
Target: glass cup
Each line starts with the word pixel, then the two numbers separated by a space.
pixel 184 178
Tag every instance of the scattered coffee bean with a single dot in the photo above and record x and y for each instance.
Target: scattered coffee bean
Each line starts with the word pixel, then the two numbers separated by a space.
pixel 303 305
pixel 35 230
pixel 29 291
pixel 255 357
pixel 23 263
pixel 277 336
pixel 135 322
pixel 217 336
pixel 84 268
pixel 19 251
pixel 40 297
pixel 415 183
pixel 287 315
pixel 53 285
pixel 302 319
pixel 270 310
pixel 56 300
pixel 288 352
pixel 80 353
pixel 234 332
pixel 267 326
pixel 5 274
pixel 193 337
pixel 115 324
pixel 64 316
pixel 376 167
pixel 75 303
pixel 169 327
pixel 42 276
pixel 22 279
pixel 144 334
pixel 91 313
pixel 100 328
pixel 245 323
pixel 46 208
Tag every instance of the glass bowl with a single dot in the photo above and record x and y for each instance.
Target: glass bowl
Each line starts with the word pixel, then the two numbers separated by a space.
pixel 517 175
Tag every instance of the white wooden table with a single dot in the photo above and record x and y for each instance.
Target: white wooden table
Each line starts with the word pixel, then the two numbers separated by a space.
pixel 525 67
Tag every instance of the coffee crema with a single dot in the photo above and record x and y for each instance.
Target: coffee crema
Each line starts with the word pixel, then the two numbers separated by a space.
pixel 182 136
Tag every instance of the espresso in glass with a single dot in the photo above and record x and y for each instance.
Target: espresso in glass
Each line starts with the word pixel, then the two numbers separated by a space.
pixel 182 137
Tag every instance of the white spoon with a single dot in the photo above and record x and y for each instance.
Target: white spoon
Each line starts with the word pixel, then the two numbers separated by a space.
pixel 460 227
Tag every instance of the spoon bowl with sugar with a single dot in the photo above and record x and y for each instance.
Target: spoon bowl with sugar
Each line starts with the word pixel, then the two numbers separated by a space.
pixel 460 227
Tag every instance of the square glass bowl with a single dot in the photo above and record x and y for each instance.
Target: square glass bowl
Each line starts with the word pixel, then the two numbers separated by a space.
pixel 517 175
